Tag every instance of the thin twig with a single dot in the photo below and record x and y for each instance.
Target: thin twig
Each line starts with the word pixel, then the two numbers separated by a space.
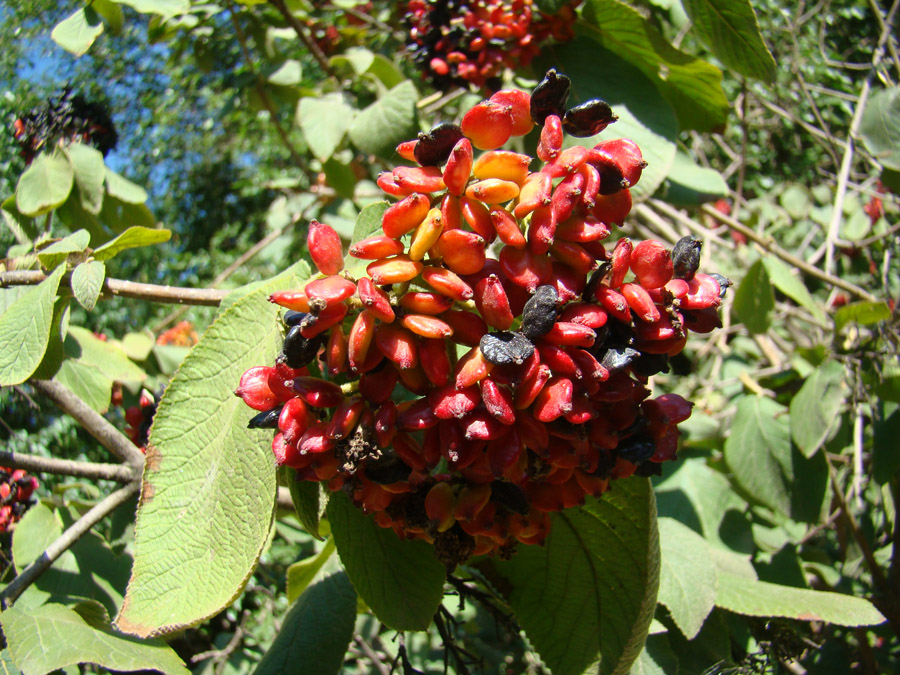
pixel 94 423
pixel 66 467
pixel 78 529
pixel 768 244
pixel 310 44
pixel 126 289
pixel 371 655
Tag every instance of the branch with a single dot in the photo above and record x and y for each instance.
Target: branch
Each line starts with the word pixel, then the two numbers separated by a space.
pixel 768 244
pixel 66 467
pixel 99 511
pixel 126 289
pixel 96 425
pixel 310 44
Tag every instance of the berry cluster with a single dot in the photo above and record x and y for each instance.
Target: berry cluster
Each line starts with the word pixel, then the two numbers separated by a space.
pixel 470 42
pixel 139 419
pixel 16 488
pixel 490 366
pixel 181 334
pixel 69 118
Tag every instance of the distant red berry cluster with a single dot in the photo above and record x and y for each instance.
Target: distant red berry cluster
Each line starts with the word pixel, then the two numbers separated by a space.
pixel 181 334
pixel 16 489
pixel 70 118
pixel 462 43
pixel 490 365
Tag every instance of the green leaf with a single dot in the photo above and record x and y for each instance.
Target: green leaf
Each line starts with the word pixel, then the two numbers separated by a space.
pixel 25 330
pixel 657 658
pixel 643 117
pixel 765 465
pixel 368 222
pixel 359 59
pixel 324 122
pixel 687 576
pixel 169 357
pixel 105 357
pixel 689 184
pixel 17 221
pixel 309 501
pixel 318 628
pixel 815 408
pixel 299 270
pixel 86 382
pixel 138 346
pixel 301 574
pixel 880 127
pixel 165 8
pixel 730 29
pixel 863 313
pixel 87 283
pixel 53 636
pixel 388 121
pixel 45 185
pixel 77 32
pixel 781 277
pixel 586 597
pixel 208 497
pixel 57 252
pixel 55 353
pixel 341 177
pixel 692 86
pixel 288 74
pixel 386 72
pixel 111 14
pixel 760 598
pixel 73 215
pixel 90 172
pixel 123 189
pixel 400 580
pixel 885 432
pixel 755 299
pixel 133 237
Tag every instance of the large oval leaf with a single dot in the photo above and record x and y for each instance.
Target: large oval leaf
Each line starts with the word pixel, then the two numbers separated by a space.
pixel 644 117
pixel 401 581
pixel 45 184
pixel 587 596
pixel 730 29
pixel 209 489
pixel 390 120
pixel 880 127
pixel 691 85
pixel 25 328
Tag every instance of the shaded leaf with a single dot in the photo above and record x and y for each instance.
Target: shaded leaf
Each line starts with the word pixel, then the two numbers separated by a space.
pixel 689 184
pixel 324 122
pixel 730 29
pixel 25 329
pixel 45 185
pixel 161 7
pixel 815 408
pixel 755 299
pixel 105 357
pixel 138 346
pixel 760 598
pixel 90 172
pixel 86 382
pixel 208 495
pixel 301 573
pixel 781 277
pixel 886 431
pixel 585 598
pixel 309 501
pixel 400 580
pixel 87 283
pixel 863 313
pixel 53 636
pixel 880 127
pixel 687 576
pixel 692 86
pixel 123 189
pixel 390 120
pixel 133 237
pixel 77 32
pixel 57 252
pixel 318 627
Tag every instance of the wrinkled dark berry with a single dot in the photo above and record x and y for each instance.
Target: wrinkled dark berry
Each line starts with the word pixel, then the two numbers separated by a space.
pixel 434 147
pixel 596 277
pixel 506 347
pixel 387 469
pixel 636 449
pixel 588 118
pixel 549 96
pixel 650 364
pixel 267 419
pixel 617 358
pixel 509 496
pixel 298 350
pixel 540 312
pixel 724 283
pixel 686 257
pixel 293 318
